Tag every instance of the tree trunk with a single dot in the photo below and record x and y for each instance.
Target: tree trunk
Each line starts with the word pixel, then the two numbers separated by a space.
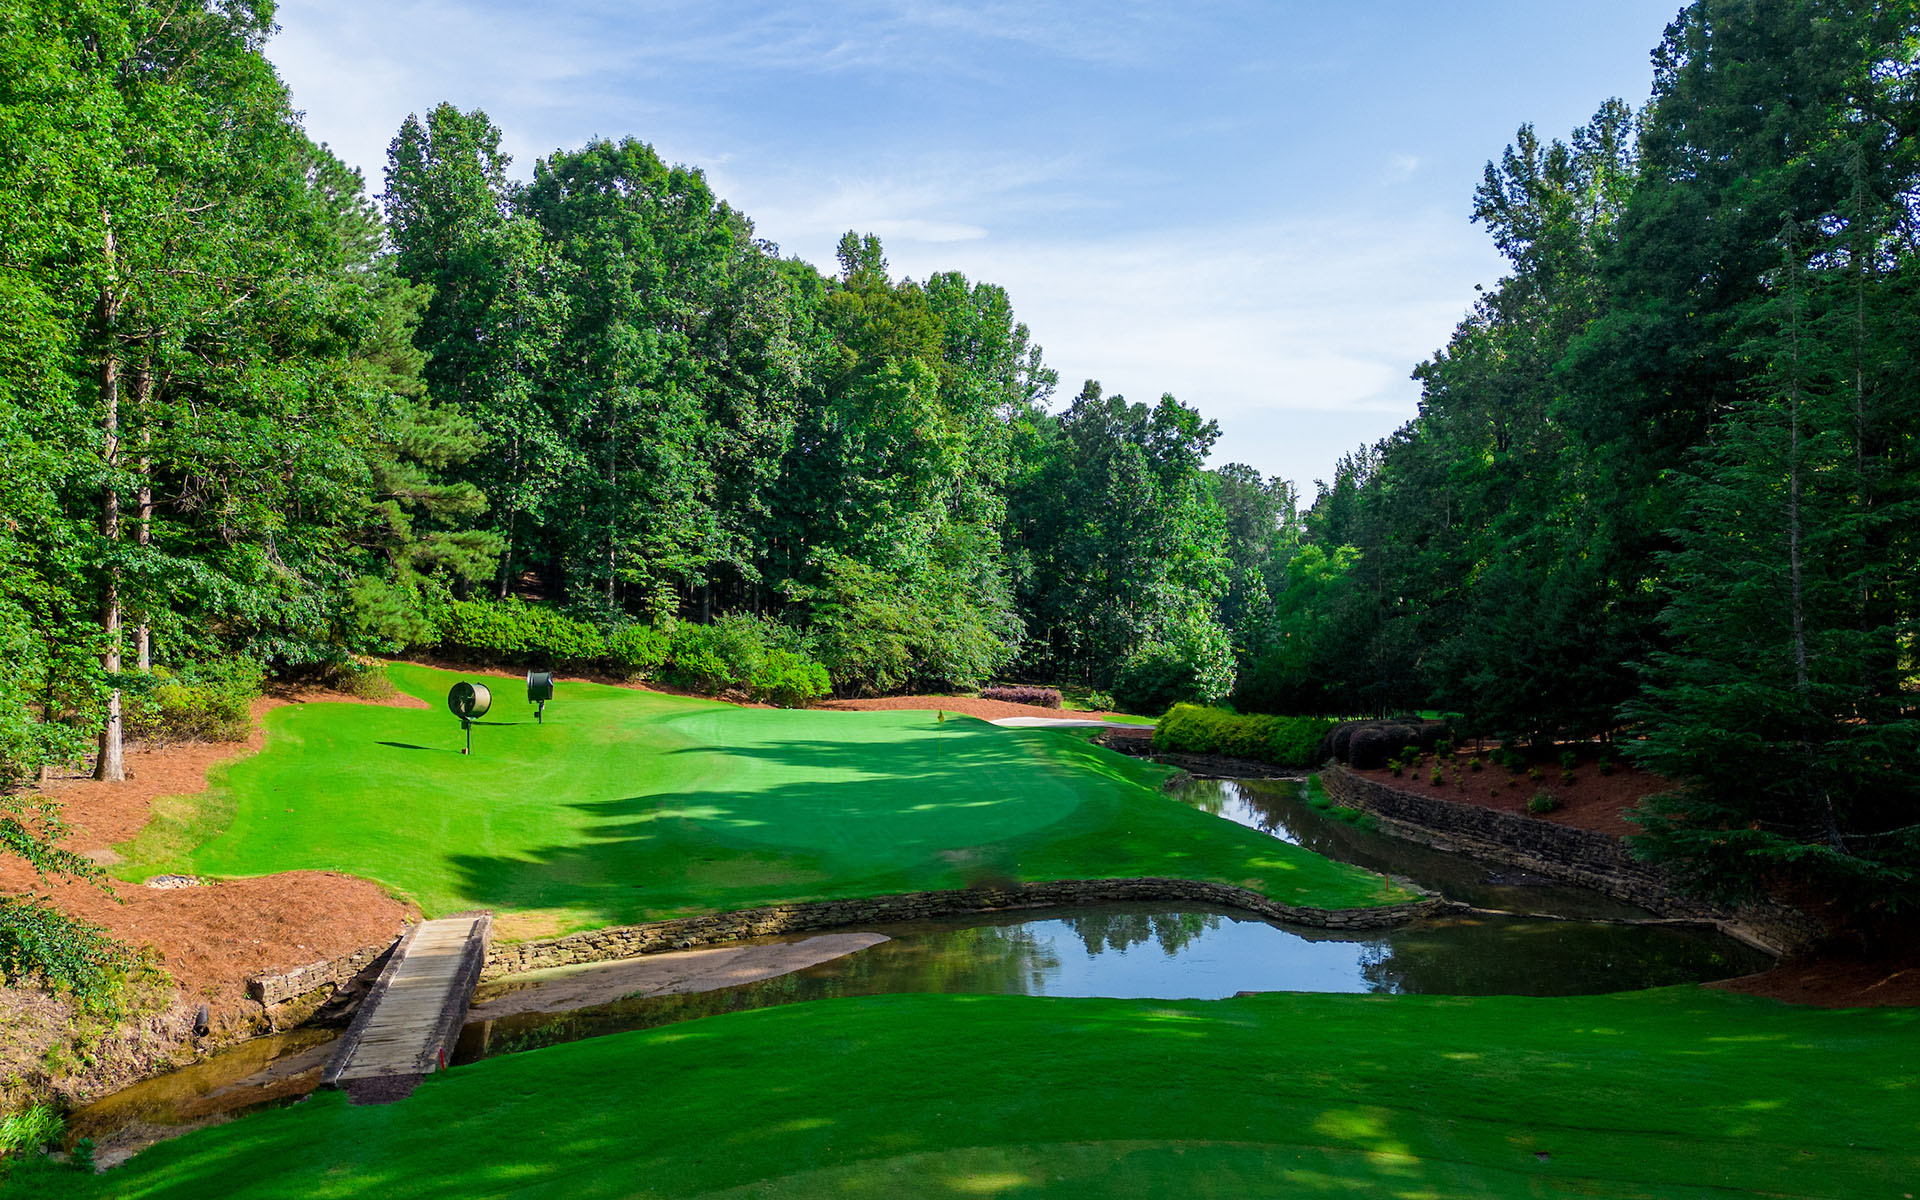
pixel 613 507
pixel 143 528
pixel 513 519
pixel 111 763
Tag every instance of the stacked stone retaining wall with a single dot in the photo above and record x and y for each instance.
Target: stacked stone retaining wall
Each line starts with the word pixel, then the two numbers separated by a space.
pixel 632 941
pixel 1597 861
pixel 290 985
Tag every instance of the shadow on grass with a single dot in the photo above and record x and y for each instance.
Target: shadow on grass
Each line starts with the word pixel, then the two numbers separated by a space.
pixel 832 819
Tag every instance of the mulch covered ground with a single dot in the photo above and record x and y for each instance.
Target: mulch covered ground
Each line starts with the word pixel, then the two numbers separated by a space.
pixel 210 938
pixel 1837 981
pixel 1593 801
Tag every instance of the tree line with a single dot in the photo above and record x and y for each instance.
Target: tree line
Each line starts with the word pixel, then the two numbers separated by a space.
pixel 255 420
pixel 1662 487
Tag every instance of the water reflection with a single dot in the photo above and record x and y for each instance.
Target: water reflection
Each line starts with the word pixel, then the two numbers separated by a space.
pixel 1276 807
pixel 1143 951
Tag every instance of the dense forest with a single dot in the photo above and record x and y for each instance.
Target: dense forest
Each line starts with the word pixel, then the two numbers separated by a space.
pixel 1662 485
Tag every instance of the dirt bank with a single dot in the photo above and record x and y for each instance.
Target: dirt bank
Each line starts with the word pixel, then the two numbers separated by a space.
pixel 1592 801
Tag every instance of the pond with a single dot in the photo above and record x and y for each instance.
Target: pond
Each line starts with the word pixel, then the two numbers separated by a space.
pixel 1136 950
pixel 1278 807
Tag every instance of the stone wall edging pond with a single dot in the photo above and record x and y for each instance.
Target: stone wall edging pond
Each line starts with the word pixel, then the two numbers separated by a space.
pixel 270 990
pixel 1597 861
pixel 632 941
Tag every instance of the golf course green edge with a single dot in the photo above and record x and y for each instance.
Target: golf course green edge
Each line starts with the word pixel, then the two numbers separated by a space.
pixel 625 807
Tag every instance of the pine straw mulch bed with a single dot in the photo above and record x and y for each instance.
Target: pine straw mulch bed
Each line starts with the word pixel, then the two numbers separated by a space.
pixel 1593 801
pixel 210 938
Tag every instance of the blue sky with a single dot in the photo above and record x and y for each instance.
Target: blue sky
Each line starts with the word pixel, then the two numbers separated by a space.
pixel 1259 207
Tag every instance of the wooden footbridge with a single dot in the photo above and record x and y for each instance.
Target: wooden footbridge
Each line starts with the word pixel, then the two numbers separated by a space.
pixel 408 1024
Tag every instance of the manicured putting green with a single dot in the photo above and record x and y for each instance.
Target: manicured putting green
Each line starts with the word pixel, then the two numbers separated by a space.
pixel 1683 1092
pixel 628 806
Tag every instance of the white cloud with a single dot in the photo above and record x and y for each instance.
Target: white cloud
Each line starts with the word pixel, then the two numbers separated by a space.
pixel 1298 336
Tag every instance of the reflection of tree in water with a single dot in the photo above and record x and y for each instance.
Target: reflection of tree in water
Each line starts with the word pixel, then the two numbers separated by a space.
pixel 1121 931
pixel 1379 967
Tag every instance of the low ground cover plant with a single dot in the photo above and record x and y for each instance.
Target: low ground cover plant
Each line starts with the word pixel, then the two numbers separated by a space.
pixel 1282 741
pixel 210 702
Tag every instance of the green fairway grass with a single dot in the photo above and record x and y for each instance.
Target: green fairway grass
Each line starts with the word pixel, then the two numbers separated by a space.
pixel 1683 1092
pixel 628 806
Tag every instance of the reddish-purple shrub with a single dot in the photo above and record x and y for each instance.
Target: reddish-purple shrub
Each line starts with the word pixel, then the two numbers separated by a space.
pixel 1045 697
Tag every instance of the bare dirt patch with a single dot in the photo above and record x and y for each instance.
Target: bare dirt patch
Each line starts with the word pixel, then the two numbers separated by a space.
pixel 1592 801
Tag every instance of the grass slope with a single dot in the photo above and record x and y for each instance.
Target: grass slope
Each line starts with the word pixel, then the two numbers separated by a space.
pixel 1676 1093
pixel 629 806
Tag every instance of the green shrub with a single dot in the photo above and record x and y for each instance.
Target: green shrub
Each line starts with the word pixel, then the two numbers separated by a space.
pixel 638 651
pixel 358 676
pixel 1473 764
pixel 205 702
pixel 1604 766
pixel 1193 664
pixel 66 953
pixel 1543 802
pixel 1396 766
pixel 514 633
pixel 1282 741
pixel 1566 779
pixel 390 617
pixel 698 660
pixel 786 679
pixel 1533 773
pixel 1568 760
pixel 1438 777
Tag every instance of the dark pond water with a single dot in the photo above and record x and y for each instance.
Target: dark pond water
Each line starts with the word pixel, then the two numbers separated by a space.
pixel 1278 807
pixel 1149 951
